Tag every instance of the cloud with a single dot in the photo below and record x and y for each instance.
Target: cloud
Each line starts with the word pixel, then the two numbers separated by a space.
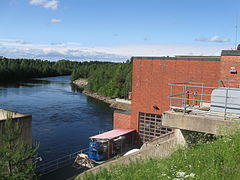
pixel 22 42
pixel 56 20
pixel 5 41
pixel 146 38
pixel 66 44
pixel 48 4
pixel 53 4
pixel 55 51
pixel 37 2
pixel 56 54
pixel 217 39
pixel 74 51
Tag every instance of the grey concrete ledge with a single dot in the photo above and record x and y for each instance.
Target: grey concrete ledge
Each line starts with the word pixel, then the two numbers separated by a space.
pixel 198 123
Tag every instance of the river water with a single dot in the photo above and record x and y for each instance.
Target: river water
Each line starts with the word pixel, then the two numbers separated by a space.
pixel 62 118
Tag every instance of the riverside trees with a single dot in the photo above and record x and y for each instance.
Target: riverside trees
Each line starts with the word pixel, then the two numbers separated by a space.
pixel 15 69
pixel 105 78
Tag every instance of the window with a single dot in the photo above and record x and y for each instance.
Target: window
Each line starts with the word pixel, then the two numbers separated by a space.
pixel 150 126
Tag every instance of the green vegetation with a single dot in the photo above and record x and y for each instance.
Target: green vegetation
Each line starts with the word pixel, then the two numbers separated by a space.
pixel 86 69
pixel 15 155
pixel 104 78
pixel 107 79
pixel 15 69
pixel 212 160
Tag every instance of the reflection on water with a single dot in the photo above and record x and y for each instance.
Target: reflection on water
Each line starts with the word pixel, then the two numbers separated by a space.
pixel 63 118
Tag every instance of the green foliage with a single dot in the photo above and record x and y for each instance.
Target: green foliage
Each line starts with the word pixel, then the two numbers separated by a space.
pixel 104 78
pixel 212 160
pixel 107 79
pixel 15 69
pixel 16 156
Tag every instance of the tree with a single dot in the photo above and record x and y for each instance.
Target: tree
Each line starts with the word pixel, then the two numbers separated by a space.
pixel 15 155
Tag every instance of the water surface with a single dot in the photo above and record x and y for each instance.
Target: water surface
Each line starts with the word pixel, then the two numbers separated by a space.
pixel 63 118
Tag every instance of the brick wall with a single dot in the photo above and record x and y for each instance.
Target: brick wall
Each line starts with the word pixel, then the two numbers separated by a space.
pixel 227 62
pixel 121 120
pixel 151 76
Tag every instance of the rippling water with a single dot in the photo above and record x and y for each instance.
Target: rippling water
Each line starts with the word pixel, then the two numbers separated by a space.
pixel 63 118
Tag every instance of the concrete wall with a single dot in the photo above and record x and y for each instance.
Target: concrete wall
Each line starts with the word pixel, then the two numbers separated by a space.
pixel 25 121
pixel 157 148
pixel 26 129
pixel 198 123
pixel 123 101
pixel 151 76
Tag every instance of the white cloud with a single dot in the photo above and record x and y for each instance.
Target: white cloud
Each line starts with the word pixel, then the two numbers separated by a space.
pixel 66 44
pixel 7 40
pixel 217 39
pixel 22 42
pixel 74 51
pixel 49 4
pixel 53 4
pixel 56 20
pixel 37 2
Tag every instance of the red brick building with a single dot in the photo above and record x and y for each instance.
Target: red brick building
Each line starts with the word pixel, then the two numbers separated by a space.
pixel 150 90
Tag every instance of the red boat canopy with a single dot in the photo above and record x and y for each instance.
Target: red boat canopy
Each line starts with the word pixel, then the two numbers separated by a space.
pixel 112 134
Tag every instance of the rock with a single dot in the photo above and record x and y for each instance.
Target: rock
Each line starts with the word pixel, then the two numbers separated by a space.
pixel 82 83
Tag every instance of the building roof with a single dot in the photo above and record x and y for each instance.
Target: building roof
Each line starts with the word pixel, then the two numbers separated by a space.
pixel 112 134
pixel 190 58
pixel 230 53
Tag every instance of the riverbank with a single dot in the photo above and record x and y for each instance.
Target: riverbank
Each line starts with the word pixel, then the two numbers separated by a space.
pixel 82 83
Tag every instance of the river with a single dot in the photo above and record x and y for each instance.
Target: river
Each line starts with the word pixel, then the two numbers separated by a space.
pixel 62 118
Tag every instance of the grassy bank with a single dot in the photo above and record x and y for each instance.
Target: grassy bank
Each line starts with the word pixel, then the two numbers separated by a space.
pixel 219 159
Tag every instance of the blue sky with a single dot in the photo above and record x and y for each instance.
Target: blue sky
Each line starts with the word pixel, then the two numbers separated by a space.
pixel 116 29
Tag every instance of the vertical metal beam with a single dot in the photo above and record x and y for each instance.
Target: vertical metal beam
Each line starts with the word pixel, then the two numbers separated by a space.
pixel 225 110
pixel 184 99
pixel 201 95
pixel 171 96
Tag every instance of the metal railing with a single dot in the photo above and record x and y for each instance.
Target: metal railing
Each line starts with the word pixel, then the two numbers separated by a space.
pixel 229 83
pixel 199 99
pixel 53 165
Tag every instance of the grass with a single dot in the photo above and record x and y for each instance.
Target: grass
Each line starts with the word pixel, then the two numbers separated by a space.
pixel 216 160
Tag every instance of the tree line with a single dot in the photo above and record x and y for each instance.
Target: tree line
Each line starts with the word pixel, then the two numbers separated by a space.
pixel 16 69
pixel 104 78
pixel 107 79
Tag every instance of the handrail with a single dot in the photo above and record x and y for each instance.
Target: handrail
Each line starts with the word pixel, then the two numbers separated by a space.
pixel 58 163
pixel 188 97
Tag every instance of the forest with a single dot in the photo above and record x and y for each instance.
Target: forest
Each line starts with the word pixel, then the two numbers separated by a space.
pixel 18 69
pixel 107 79
pixel 104 78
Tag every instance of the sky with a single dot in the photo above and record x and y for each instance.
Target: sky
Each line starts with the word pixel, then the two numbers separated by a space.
pixel 115 30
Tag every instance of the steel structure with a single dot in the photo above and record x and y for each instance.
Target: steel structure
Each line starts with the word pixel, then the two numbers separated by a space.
pixel 51 166
pixel 192 97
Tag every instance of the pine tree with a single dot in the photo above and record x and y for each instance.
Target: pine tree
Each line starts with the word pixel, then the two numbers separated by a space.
pixel 15 155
